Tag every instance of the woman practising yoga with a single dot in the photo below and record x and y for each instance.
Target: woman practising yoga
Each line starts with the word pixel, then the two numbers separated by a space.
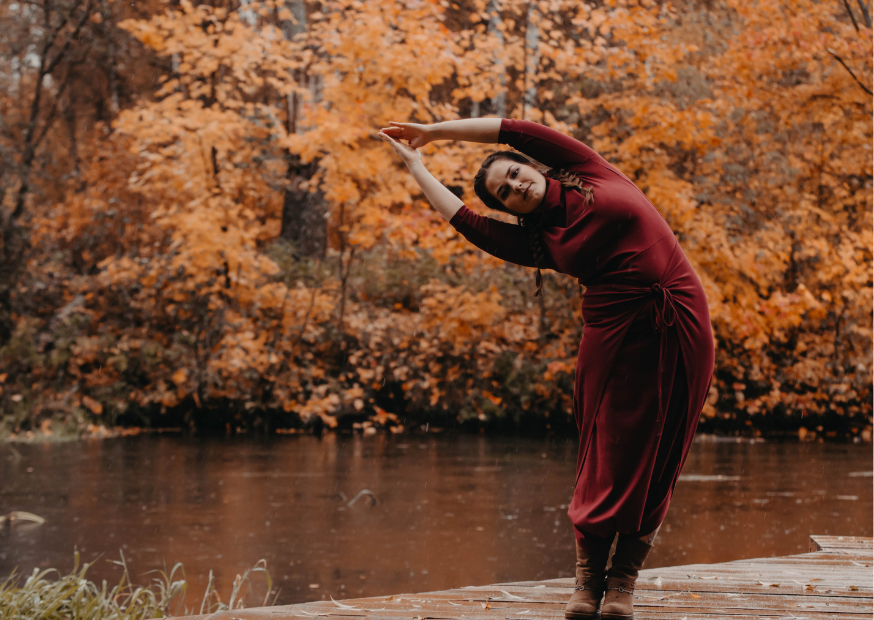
pixel 646 357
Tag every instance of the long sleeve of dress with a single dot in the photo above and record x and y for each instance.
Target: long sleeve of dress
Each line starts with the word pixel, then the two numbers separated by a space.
pixel 548 146
pixel 503 240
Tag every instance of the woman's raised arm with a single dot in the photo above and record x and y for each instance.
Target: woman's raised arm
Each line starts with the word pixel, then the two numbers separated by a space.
pixel 444 202
pixel 485 130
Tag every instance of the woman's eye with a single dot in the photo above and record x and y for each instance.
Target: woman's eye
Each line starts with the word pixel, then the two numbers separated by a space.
pixel 515 172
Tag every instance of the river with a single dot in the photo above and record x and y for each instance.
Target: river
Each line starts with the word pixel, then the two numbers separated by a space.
pixel 438 512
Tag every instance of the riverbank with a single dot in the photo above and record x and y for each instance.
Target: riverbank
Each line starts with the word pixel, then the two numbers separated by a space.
pixel 706 433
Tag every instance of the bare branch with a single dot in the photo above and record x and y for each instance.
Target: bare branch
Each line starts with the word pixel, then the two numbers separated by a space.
pixel 863 6
pixel 45 68
pixel 85 15
pixel 850 71
pixel 852 17
pixel 50 118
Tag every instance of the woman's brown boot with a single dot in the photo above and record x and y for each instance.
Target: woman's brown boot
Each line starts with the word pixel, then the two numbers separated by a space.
pixel 628 559
pixel 592 552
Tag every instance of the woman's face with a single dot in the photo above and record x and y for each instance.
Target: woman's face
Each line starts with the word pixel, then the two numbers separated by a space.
pixel 519 187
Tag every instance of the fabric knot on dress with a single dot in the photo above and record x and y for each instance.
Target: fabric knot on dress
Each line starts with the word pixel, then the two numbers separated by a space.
pixel 664 313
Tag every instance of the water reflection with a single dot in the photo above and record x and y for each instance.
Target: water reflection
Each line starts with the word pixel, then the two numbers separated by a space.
pixel 438 512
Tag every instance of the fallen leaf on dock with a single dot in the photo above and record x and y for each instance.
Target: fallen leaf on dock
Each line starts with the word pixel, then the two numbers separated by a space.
pixel 853 588
pixel 342 606
pixel 485 605
pixel 768 585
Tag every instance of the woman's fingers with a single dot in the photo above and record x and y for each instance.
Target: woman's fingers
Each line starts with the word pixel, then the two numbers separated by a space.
pixel 397 145
pixel 407 153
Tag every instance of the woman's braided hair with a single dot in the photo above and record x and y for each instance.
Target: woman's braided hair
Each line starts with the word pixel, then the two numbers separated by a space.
pixel 531 222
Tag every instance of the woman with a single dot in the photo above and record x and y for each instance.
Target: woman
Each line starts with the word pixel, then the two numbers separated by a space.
pixel 646 357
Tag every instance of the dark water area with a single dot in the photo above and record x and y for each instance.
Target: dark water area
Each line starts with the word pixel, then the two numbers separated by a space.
pixel 449 511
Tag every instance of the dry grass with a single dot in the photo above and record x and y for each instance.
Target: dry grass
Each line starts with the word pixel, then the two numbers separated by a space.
pixel 48 595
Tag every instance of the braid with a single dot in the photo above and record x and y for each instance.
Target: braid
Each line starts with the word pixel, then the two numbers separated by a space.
pixel 535 243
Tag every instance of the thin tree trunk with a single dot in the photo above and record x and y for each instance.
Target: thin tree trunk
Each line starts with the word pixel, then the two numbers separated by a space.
pixel 500 101
pixel 70 122
pixel 111 74
pixel 303 221
pixel 532 58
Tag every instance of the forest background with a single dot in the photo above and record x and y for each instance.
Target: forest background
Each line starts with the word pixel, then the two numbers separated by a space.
pixel 200 228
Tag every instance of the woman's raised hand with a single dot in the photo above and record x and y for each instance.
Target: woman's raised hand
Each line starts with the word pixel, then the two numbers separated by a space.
pixel 415 135
pixel 407 153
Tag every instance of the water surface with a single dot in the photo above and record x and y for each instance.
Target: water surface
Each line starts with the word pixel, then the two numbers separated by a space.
pixel 444 511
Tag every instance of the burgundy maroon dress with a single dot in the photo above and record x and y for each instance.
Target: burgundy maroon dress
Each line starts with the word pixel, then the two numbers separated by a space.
pixel 646 357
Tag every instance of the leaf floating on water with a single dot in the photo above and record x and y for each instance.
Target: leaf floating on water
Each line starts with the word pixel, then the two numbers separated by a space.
pixel 341 605
pixel 20 515
pixel 707 478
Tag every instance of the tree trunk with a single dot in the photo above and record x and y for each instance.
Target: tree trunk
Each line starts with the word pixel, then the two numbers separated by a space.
pixel 532 58
pixel 500 101
pixel 303 212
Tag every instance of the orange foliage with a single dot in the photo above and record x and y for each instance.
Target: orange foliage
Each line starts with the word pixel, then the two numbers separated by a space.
pixel 171 294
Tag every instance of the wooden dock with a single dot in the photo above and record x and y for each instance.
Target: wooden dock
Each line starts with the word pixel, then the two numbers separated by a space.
pixel 833 581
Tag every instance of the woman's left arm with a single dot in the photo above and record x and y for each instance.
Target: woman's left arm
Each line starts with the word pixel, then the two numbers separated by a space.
pixel 548 146
pixel 444 202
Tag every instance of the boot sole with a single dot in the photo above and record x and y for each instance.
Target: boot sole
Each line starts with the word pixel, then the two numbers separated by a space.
pixel 596 615
pixel 609 616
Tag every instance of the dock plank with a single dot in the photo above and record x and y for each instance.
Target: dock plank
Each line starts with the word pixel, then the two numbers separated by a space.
pixel 833 581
